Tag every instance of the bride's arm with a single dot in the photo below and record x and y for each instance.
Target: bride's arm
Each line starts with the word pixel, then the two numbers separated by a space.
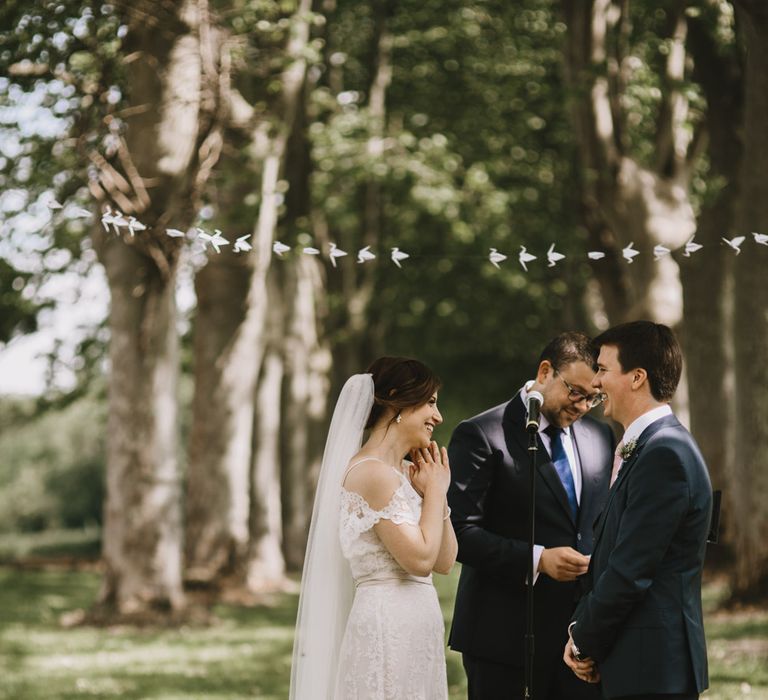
pixel 449 547
pixel 415 547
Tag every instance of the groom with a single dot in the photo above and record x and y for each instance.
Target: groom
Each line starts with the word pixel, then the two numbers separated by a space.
pixel 641 623
pixel 489 497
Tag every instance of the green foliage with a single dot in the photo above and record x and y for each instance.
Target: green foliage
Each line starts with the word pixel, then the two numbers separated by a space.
pixel 60 59
pixel 476 152
pixel 52 466
pixel 18 314
pixel 59 92
pixel 245 653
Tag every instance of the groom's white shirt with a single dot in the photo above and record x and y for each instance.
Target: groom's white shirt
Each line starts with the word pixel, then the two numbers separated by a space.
pixel 573 460
pixel 637 426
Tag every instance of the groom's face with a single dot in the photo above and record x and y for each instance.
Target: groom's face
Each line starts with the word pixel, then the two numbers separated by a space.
pixel 615 384
pixel 565 391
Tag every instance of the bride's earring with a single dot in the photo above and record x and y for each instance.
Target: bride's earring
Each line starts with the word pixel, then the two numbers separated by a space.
pixel 398 419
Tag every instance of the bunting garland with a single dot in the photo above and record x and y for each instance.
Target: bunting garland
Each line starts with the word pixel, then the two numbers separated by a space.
pixel 115 222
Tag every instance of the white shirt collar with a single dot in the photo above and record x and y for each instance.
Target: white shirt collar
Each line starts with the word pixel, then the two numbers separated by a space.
pixel 637 426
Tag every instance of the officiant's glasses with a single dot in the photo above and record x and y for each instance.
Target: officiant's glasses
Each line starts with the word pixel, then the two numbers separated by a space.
pixel 577 396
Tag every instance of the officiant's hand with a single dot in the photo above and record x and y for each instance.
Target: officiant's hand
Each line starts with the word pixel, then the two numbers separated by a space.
pixel 430 469
pixel 563 563
pixel 586 669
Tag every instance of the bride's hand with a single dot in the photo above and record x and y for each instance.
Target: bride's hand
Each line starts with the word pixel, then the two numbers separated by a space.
pixel 430 469
pixel 413 470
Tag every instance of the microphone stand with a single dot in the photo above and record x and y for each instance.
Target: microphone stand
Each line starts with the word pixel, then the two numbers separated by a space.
pixel 533 448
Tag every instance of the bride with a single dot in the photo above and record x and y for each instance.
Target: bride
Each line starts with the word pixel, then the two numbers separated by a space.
pixel 369 624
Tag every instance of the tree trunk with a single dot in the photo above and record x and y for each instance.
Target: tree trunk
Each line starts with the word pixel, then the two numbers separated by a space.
pixel 623 201
pixel 218 475
pixel 356 283
pixel 307 360
pixel 750 485
pixel 305 405
pixel 230 355
pixel 171 142
pixel 707 275
pixel 142 520
pixel 265 565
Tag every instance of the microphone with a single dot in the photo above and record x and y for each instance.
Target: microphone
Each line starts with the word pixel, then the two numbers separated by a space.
pixel 533 410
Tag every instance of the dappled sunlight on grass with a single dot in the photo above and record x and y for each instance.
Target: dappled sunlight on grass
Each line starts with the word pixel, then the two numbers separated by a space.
pixel 246 652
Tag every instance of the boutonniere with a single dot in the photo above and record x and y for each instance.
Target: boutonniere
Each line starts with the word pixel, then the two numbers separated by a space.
pixel 628 449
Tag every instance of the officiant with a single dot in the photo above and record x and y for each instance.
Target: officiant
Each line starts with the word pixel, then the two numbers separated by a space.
pixel 489 496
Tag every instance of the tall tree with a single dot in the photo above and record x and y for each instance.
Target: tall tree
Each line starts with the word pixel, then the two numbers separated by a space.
pixel 230 354
pixel 219 450
pixel 749 485
pixel 630 196
pixel 306 355
pixel 304 406
pixel 165 145
pixel 354 287
pixel 707 276
pixel 265 562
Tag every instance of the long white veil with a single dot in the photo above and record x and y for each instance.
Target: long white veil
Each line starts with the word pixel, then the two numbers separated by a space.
pixel 326 583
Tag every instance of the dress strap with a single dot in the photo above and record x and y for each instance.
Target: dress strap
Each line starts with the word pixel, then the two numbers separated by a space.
pixel 360 461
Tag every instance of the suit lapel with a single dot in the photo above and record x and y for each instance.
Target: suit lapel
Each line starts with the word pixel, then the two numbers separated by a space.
pixel 586 451
pixel 626 468
pixel 515 414
pixel 514 418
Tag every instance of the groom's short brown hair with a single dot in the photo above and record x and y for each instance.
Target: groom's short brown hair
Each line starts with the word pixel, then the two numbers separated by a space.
pixel 653 347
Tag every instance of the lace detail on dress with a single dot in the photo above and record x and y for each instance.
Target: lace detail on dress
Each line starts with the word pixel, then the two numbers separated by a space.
pixel 366 554
pixel 358 517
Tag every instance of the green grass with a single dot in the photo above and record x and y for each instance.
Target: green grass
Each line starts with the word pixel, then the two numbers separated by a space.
pixel 246 653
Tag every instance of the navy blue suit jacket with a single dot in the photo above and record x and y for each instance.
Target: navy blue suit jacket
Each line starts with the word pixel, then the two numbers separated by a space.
pixel 489 497
pixel 642 619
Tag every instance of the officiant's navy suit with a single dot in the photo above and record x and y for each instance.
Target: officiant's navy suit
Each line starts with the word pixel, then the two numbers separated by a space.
pixel 641 620
pixel 489 499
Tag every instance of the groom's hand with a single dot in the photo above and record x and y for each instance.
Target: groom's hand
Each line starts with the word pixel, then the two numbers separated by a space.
pixel 563 563
pixel 585 670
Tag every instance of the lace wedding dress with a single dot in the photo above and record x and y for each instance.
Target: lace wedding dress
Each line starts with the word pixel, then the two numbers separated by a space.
pixel 393 645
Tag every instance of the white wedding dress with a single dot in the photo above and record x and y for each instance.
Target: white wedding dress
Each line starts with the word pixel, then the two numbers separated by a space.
pixel 393 646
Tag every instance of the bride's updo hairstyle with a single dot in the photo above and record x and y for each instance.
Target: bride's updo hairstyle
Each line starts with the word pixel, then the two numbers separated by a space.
pixel 399 383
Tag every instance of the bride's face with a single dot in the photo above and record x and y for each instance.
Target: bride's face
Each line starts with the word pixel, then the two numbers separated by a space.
pixel 418 423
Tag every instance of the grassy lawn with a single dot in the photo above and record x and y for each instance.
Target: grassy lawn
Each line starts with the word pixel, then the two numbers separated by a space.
pixel 245 654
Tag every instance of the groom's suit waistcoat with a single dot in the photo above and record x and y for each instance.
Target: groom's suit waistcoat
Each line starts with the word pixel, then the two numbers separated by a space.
pixel 489 499
pixel 641 619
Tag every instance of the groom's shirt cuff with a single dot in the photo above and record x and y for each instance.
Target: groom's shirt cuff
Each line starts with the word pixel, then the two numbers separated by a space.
pixel 575 649
pixel 537 550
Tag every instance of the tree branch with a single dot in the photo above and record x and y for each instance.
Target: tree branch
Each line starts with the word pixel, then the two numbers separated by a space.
pixel 671 138
pixel 583 70
pixel 617 67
